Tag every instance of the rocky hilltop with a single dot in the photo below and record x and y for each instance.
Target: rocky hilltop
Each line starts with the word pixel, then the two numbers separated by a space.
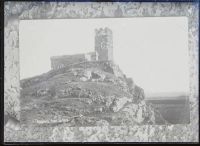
pixel 85 94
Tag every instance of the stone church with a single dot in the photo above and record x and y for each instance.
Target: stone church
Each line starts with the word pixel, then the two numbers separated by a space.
pixel 103 51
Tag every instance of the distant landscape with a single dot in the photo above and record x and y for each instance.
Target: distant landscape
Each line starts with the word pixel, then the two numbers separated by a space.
pixel 174 109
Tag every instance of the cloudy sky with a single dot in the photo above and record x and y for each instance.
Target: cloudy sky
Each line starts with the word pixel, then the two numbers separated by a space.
pixel 152 50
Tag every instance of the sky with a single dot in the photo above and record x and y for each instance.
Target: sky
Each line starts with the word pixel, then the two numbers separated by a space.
pixel 151 50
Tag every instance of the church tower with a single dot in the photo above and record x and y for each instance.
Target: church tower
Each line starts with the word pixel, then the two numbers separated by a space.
pixel 104 44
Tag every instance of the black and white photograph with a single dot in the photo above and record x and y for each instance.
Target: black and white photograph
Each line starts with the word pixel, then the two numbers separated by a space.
pixel 67 71
pixel 112 71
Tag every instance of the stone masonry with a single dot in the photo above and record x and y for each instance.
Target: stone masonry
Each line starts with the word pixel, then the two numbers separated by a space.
pixel 103 51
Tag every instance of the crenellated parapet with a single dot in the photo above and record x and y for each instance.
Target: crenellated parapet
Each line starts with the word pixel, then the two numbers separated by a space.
pixel 103 31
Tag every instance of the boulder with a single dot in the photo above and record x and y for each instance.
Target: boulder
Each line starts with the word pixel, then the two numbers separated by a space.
pixel 139 113
pixel 137 93
pixel 119 103
pixel 117 71
pixel 83 79
pixel 87 74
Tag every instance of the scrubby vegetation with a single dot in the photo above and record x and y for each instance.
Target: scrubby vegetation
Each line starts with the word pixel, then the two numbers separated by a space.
pixel 85 94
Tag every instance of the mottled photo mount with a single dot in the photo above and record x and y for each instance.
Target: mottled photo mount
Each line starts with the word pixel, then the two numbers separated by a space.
pixel 139 133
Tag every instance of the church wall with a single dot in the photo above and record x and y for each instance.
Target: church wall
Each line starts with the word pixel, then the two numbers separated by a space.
pixel 62 61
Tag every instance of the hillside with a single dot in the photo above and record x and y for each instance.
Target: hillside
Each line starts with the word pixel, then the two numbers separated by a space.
pixel 85 94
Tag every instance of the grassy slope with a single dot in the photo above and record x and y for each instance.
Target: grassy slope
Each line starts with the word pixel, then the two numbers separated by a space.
pixel 55 107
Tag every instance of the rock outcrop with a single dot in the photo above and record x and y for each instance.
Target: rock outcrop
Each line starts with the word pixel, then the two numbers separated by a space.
pixel 84 94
